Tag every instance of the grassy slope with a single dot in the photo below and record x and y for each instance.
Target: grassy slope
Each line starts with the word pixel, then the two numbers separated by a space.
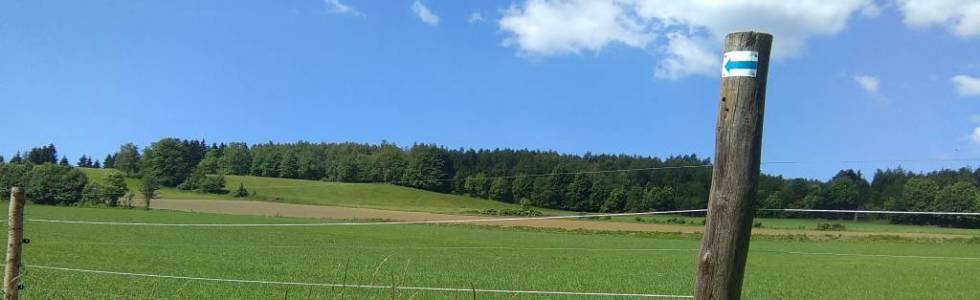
pixel 370 195
pixel 452 256
pixel 384 196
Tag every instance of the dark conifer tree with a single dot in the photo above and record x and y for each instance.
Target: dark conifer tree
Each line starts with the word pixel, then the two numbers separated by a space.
pixel 16 159
pixel 44 154
pixel 109 161
pixel 83 162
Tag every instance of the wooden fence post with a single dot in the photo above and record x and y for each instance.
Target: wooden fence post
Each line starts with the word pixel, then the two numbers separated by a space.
pixel 15 239
pixel 735 176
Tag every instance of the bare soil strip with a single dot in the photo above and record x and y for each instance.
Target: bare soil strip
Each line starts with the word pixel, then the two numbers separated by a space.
pixel 260 208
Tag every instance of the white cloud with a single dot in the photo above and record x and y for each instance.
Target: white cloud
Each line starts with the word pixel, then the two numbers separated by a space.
pixel 966 86
pixel 694 29
pixel 867 83
pixel 335 7
pixel 961 17
pixel 549 27
pixel 975 136
pixel 686 56
pixel 425 14
pixel 791 22
pixel 476 17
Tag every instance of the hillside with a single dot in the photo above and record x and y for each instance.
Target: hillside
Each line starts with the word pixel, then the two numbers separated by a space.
pixel 368 195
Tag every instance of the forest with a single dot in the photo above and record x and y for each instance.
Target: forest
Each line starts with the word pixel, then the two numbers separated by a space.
pixel 547 179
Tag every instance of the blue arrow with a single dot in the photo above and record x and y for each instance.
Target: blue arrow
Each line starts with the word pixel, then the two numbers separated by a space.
pixel 745 64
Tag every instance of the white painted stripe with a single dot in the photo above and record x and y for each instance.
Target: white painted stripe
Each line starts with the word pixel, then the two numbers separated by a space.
pixel 363 286
pixel 460 221
pixel 875 211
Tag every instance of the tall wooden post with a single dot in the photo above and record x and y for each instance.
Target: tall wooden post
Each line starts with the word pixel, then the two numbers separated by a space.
pixel 735 176
pixel 15 238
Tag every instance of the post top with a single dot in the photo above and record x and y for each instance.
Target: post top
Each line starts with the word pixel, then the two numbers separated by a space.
pixel 748 33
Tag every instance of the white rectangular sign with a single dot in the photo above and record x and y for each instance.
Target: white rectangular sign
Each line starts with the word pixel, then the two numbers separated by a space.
pixel 740 63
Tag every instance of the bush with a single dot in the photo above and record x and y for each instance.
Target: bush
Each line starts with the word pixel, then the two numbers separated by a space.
pixel 55 185
pixel 113 187
pixel 213 185
pixel 200 182
pixel 13 175
pixel 241 192
pixel 757 225
pixel 524 212
pixel 831 227
pixel 92 193
pixel 194 181
pixel 526 203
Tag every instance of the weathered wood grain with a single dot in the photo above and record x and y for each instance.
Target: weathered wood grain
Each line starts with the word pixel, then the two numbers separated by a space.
pixel 15 238
pixel 735 176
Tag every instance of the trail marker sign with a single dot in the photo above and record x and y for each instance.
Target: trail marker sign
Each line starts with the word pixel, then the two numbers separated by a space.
pixel 740 63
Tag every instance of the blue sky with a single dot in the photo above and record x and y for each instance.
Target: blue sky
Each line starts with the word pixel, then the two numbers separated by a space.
pixel 853 79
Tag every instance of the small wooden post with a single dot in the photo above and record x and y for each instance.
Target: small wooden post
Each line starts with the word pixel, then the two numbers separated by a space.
pixel 735 176
pixel 15 239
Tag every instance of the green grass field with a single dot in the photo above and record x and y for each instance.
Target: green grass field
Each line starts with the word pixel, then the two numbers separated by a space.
pixel 368 195
pixel 455 256
pixel 882 226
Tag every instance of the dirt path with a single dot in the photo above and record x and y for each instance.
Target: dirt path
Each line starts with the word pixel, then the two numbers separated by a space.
pixel 259 208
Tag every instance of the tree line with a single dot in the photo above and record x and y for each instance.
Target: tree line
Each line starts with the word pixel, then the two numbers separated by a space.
pixel 563 181
pixel 54 182
pixel 543 178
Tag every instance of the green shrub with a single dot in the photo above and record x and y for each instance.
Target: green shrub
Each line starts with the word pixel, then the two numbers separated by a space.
pixel 213 185
pixel 113 187
pixel 530 212
pixel 13 175
pixel 200 182
pixel 92 193
pixel 831 227
pixel 241 192
pixel 55 184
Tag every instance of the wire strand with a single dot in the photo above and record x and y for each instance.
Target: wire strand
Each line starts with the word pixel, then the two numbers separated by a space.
pixel 484 220
pixel 559 173
pixel 873 211
pixel 364 286
pixel 456 221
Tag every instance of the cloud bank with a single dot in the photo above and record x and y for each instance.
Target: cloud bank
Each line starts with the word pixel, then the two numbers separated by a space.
pixel 691 31
pixel 960 17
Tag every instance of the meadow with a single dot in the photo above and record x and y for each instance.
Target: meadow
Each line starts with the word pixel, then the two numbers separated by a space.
pixel 456 256
pixel 366 195
pixel 398 198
